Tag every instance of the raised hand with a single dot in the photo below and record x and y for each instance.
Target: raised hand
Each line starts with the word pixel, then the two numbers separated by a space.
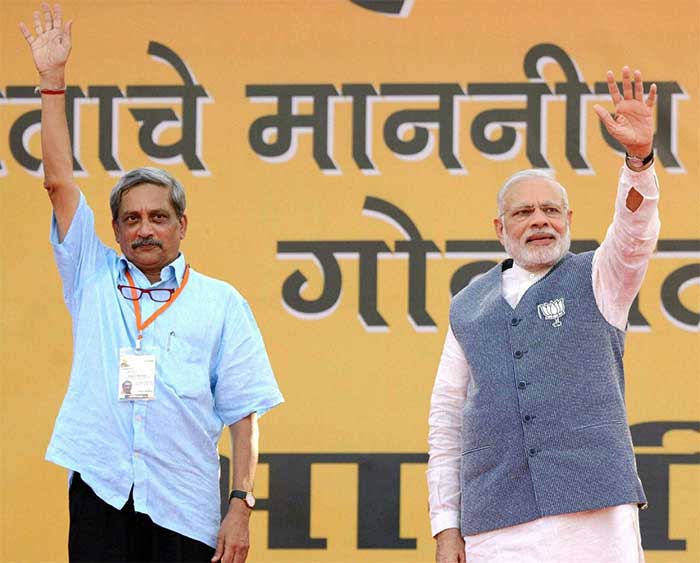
pixel 52 44
pixel 633 123
pixel 50 50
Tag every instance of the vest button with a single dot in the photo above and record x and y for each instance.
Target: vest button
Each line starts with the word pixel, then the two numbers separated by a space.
pixel 527 418
pixel 514 321
pixel 518 354
pixel 532 452
pixel 521 385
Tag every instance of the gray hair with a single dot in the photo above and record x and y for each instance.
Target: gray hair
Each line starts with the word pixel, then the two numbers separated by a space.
pixel 527 175
pixel 148 175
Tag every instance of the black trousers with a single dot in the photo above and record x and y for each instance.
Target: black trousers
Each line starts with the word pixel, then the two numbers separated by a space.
pixel 101 533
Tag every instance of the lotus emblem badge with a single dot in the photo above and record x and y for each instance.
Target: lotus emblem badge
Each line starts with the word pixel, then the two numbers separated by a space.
pixel 552 310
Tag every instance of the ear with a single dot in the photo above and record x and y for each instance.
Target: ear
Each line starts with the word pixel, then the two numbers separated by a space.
pixel 499 228
pixel 183 226
pixel 569 215
pixel 115 228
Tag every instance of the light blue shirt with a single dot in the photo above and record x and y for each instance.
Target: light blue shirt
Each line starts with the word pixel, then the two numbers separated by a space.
pixel 211 370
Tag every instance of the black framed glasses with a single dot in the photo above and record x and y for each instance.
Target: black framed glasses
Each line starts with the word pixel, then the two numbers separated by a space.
pixel 158 294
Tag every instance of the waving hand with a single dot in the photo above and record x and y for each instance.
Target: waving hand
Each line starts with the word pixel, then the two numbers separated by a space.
pixel 633 122
pixel 52 44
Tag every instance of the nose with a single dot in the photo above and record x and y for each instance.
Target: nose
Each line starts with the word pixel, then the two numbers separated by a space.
pixel 539 218
pixel 145 229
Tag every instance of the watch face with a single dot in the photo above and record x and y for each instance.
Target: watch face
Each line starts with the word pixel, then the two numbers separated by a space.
pixel 250 500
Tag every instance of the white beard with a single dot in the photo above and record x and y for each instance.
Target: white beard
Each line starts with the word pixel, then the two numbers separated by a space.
pixel 537 257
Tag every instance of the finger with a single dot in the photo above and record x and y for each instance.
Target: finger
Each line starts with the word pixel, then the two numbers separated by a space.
pixel 626 83
pixel 241 555
pixel 227 557
pixel 27 34
pixel 37 24
pixel 651 98
pixel 219 550
pixel 67 33
pixel 48 18
pixel 638 86
pixel 612 88
pixel 57 16
pixel 604 116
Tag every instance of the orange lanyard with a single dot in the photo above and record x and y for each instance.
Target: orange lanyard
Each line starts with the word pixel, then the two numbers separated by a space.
pixel 141 326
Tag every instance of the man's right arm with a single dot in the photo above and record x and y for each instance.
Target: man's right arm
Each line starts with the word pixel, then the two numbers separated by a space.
pixel 445 448
pixel 621 261
pixel 50 50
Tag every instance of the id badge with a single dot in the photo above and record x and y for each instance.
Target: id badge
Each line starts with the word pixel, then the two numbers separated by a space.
pixel 137 374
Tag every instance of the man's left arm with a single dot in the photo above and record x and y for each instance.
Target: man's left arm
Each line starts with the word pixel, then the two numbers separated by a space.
pixel 233 540
pixel 244 389
pixel 619 265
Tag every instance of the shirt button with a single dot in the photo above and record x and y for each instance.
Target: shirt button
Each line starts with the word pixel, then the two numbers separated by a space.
pixel 518 354
pixel 514 321
pixel 532 452
pixel 527 418
pixel 521 385
pixel 138 418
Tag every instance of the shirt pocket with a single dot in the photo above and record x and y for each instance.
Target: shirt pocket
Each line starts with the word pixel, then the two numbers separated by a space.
pixel 186 367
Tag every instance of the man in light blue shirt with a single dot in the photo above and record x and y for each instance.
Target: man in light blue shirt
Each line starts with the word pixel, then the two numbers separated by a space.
pixel 164 357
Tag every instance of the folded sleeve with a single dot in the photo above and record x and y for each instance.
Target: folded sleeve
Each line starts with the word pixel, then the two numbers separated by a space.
pixel 244 381
pixel 79 254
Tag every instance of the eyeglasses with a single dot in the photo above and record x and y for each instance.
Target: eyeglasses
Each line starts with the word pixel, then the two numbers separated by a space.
pixel 159 295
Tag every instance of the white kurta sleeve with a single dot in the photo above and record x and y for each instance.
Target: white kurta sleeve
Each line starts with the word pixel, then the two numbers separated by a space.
pixel 445 436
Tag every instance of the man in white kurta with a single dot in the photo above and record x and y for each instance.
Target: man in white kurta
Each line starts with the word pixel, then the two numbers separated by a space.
pixel 533 225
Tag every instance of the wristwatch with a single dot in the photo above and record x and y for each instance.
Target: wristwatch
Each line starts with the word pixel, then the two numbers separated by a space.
pixel 246 497
pixel 638 161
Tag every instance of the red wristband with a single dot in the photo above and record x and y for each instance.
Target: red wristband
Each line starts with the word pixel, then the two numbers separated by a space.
pixel 47 92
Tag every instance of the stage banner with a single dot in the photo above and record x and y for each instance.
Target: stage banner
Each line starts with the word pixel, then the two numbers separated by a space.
pixel 341 160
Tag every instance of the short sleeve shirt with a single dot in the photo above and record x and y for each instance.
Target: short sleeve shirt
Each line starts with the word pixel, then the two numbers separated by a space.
pixel 211 370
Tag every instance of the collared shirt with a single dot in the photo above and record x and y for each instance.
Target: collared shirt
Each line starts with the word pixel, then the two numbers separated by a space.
pixel 619 265
pixel 211 370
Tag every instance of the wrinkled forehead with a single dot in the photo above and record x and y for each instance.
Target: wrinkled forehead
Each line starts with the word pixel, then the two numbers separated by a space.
pixel 532 192
pixel 145 196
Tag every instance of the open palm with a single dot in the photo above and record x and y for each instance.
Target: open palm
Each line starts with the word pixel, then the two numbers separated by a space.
pixel 633 123
pixel 52 44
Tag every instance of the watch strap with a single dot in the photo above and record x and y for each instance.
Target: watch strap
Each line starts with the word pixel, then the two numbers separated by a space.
pixel 246 497
pixel 639 161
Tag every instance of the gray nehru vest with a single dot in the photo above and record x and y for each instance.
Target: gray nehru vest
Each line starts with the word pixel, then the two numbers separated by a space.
pixel 544 424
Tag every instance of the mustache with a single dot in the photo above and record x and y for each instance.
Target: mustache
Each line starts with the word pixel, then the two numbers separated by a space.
pixel 150 241
pixel 533 232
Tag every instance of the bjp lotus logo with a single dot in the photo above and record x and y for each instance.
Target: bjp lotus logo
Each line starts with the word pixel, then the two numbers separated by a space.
pixel 552 310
